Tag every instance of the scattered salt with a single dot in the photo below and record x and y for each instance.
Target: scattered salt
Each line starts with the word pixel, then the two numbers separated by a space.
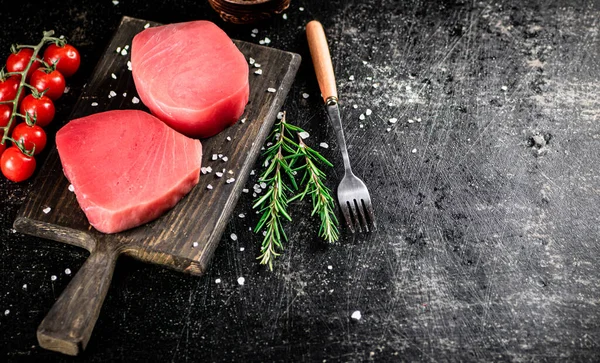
pixel 388 129
pixel 209 187
pixel 71 188
pixel 225 158
pixel 368 112
pixel 233 237
pixel 254 31
pixel 361 126
pixel 219 174
pixel 258 71
pixel 324 145
pixel 217 281
pixel 414 151
pixel 393 120
pixel 67 271
pixel 301 8
pixel 228 138
pixel 113 76
pixel 279 115
pixel 215 156
pixel 112 94
pixel 135 100
pixel 115 2
pixel 252 172
pixel 304 135
pixel 126 47
pixel 267 40
pixel 504 88
pixel 220 156
pixel 256 65
pixel 124 52
pixel 410 121
pixel 243 120
pixel 241 215
pixel 351 78
pixel 330 267
pixel 124 94
pixel 241 281
pixel 6 312
pixel 118 50
pixel 230 180
pixel 284 16
pixel 354 106
pixel 242 249
pixel 46 210
pixel 272 90
pixel 147 26
pixel 53 277
pixel 24 286
pixel 195 244
pixel 305 95
pixel 129 65
pixel 356 315
pixel 67 89
pixel 362 116
pixel 245 190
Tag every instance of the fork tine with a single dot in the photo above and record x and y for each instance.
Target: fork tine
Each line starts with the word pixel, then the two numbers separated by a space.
pixel 346 212
pixel 355 214
pixel 369 207
pixel 361 210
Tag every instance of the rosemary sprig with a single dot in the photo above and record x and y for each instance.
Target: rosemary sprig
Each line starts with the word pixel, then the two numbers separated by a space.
pixel 281 159
pixel 273 204
pixel 322 201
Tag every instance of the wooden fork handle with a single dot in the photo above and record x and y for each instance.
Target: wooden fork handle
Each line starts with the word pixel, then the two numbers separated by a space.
pixel 319 51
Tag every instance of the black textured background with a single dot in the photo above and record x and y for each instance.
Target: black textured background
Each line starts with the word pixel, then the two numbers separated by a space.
pixel 488 242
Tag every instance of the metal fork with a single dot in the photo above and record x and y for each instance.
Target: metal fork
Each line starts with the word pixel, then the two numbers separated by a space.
pixel 353 195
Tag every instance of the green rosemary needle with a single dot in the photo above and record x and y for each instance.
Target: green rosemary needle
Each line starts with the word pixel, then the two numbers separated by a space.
pixel 322 201
pixel 273 205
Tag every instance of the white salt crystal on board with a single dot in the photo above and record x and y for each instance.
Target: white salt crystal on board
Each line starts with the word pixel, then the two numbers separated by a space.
pixel 71 188
pixel 67 271
pixel 304 135
pixel 124 52
pixel 414 151
pixel 195 244
pixel 241 281
pixel 368 112
pixel 215 156
pixel 6 312
pixel 362 116
pixel 46 210
pixel 393 120
pixel 135 100
pixel 271 90
pixel 217 281
pixel 305 95
pixel 230 180
pixel 209 187
pixel 53 277
pixel 147 26
pixel 324 145
pixel 351 78
pixel 112 94
pixel 258 71
pixel 356 315
pixel 233 237
pixel 113 76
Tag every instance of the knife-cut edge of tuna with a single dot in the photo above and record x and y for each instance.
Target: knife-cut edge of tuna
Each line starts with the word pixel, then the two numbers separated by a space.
pixel 191 76
pixel 127 167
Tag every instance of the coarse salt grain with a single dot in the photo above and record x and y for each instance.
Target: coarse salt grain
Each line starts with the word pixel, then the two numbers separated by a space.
pixel 301 8
pixel 217 281
pixel 195 244
pixel 124 52
pixel 414 151
pixel 251 60
pixel 356 315
pixel 324 145
pixel 267 40
pixel 67 271
pixel 388 129
pixel 112 94
pixel 203 170
pixel 126 47
pixel 241 281
pixel 135 100
pixel 254 31
pixel 354 106
pixel 256 65
pixel 242 249
pixel 393 120
pixel 279 115
pixel 245 190
pixel 6 312
pixel 305 95
pixel 258 71
pixel 113 76
pixel 53 277
pixel 504 88
pixel 375 85
pixel 261 42
pixel 46 210
pixel 129 65
pixel 24 286
pixel 118 50
pixel 115 2
pixel 67 89
pixel 242 215
pixel 228 138
pixel 215 156
pixel 219 174
pixel 263 185
pixel 304 135
pixel 209 187
pixel 225 158
pixel 229 171
pixel 208 169
pixel 220 156
pixel 271 90
pixel 243 120
pixel 284 16
pixel 411 121
pixel 330 267
pixel 233 237
pixel 147 26
pixel 71 188
pixel 230 180
pixel 362 116
pixel 124 94
pixel 351 78
pixel 368 112
pixel 361 126
pixel 252 172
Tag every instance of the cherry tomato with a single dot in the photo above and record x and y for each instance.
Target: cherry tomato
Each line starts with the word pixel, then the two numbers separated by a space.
pixel 17 62
pixel 54 81
pixel 30 136
pixel 67 58
pixel 9 88
pixel 15 165
pixel 5 112
pixel 41 108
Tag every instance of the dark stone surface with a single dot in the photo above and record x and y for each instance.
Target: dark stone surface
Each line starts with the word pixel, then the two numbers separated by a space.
pixel 488 239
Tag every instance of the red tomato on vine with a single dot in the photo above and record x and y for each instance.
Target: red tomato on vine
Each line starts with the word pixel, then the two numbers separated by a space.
pixel 15 165
pixel 30 137
pixel 66 58
pixel 17 62
pixel 39 108
pixel 52 80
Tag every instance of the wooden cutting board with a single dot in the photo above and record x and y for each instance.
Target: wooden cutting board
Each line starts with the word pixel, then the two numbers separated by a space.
pixel 51 210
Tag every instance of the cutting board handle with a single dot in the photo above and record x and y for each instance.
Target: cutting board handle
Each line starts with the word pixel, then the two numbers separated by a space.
pixel 68 326
pixel 319 52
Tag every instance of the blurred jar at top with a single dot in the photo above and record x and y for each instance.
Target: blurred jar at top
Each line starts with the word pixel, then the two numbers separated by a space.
pixel 248 11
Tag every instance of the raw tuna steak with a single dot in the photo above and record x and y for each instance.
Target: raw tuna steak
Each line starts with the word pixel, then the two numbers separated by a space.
pixel 127 167
pixel 191 76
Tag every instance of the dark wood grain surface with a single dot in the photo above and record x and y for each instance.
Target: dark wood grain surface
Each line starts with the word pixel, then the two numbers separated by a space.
pixel 486 190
